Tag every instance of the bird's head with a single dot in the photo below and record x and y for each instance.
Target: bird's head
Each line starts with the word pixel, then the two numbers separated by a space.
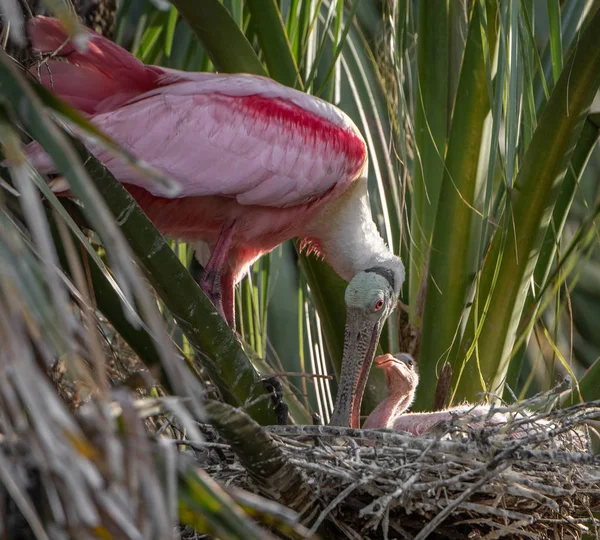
pixel 370 298
pixel 400 373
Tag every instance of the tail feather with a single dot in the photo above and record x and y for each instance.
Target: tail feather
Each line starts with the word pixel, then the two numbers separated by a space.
pixel 96 80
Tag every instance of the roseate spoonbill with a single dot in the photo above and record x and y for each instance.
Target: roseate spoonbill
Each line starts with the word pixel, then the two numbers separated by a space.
pixel 257 163
pixel 402 380
pixel 475 416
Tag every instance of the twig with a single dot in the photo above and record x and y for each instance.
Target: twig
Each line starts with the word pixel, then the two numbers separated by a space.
pixel 437 520
pixel 340 497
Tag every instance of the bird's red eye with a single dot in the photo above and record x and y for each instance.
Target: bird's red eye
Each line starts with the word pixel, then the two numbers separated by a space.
pixel 378 305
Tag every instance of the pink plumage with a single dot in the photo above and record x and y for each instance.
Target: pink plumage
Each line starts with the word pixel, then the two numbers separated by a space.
pixel 402 380
pixel 256 162
pixel 97 80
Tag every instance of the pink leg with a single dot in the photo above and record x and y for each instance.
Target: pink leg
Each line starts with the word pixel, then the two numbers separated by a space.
pixel 228 298
pixel 213 272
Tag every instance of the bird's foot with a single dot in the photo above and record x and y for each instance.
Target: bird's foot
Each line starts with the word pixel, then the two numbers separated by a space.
pixel 274 387
pixel 212 276
pixel 210 283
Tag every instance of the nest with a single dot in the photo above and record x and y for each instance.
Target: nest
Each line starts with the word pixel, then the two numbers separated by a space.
pixel 534 477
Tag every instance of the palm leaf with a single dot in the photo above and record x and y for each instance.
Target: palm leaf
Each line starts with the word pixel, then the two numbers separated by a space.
pixel 515 248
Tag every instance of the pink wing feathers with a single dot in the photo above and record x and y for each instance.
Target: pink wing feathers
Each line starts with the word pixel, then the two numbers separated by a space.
pixel 98 79
pixel 239 136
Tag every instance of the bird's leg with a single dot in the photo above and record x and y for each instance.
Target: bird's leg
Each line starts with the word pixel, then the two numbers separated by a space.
pixel 228 297
pixel 213 272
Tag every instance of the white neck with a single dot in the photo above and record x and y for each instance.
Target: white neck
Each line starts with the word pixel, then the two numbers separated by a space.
pixel 348 238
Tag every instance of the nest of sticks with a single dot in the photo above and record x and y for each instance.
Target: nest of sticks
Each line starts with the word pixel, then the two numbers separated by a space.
pixel 535 477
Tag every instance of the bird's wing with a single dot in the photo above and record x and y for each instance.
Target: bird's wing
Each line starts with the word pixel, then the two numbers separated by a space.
pixel 95 78
pixel 261 150
pixel 240 135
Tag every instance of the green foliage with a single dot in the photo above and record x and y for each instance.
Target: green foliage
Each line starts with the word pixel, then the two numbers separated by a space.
pixel 497 197
pixel 448 282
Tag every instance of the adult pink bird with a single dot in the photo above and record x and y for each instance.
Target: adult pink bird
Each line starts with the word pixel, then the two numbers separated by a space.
pixel 257 163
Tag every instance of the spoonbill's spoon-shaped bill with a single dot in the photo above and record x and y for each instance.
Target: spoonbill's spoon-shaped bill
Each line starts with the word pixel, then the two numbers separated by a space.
pixel 370 298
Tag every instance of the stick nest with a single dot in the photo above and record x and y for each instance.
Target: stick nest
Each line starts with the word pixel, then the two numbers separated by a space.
pixel 532 478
